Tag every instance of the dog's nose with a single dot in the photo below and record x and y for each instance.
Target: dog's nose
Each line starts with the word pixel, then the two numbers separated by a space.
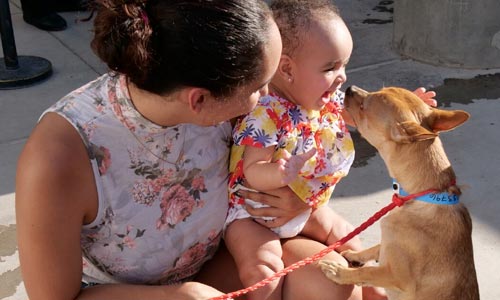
pixel 348 92
pixel 355 91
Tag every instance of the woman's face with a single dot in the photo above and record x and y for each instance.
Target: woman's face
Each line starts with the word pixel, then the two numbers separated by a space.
pixel 246 97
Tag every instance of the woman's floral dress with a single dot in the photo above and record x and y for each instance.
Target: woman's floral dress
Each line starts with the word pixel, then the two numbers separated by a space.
pixel 162 190
pixel 284 125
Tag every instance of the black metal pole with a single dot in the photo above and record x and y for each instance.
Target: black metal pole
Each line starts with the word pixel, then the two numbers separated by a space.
pixel 8 43
pixel 17 71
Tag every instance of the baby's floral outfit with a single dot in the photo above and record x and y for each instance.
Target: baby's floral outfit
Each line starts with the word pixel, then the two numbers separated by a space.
pixel 162 190
pixel 277 122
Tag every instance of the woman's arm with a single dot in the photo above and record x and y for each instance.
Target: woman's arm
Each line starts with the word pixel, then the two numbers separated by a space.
pixel 55 196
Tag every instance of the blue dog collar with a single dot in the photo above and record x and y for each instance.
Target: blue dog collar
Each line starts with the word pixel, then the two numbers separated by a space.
pixel 434 198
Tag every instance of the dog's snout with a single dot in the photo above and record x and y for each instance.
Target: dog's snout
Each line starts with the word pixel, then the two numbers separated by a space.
pixel 355 91
pixel 349 92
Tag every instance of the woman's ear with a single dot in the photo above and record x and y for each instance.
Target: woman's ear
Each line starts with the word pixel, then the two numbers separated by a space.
pixel 285 68
pixel 197 98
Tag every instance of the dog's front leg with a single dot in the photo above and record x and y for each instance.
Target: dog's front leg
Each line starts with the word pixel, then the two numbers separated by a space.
pixel 374 276
pixel 359 258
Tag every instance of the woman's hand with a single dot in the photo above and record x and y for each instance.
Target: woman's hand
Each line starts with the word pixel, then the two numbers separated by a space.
pixel 197 291
pixel 426 96
pixel 183 291
pixel 284 205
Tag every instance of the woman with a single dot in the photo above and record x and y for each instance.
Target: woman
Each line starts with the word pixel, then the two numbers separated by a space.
pixel 129 172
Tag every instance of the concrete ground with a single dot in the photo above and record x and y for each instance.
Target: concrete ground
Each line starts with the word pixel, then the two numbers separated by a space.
pixel 472 148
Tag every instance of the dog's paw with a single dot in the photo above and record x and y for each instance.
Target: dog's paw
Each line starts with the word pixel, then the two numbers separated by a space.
pixel 353 258
pixel 332 270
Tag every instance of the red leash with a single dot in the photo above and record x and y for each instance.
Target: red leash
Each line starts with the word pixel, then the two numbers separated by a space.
pixel 397 200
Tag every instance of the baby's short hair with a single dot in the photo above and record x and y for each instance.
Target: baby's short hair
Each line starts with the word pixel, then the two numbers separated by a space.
pixel 294 18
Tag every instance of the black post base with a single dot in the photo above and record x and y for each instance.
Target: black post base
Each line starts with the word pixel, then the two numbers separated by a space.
pixel 31 70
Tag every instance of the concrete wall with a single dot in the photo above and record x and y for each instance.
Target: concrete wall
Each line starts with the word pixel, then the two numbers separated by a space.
pixel 456 33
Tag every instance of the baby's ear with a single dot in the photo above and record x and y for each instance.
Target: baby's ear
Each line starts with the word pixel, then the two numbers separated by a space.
pixel 285 67
pixel 444 120
pixel 410 132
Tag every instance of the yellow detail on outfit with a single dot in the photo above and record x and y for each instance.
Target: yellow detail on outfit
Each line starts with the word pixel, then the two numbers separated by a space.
pixel 284 125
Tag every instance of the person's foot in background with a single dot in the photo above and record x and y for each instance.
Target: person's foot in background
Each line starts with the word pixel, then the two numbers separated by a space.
pixel 45 17
pixel 50 22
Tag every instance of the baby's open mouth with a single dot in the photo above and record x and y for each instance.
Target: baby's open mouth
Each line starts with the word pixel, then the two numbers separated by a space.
pixel 326 97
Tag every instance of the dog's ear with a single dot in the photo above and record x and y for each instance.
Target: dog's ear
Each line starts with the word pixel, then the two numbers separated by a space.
pixel 444 120
pixel 409 132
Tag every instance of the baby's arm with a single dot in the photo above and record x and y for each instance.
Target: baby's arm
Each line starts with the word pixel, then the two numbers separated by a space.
pixel 262 174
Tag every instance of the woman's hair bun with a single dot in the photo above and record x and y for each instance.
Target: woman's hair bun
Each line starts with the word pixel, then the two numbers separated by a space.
pixel 162 45
pixel 122 34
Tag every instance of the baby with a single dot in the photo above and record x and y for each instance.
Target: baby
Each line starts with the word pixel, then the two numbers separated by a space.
pixel 296 137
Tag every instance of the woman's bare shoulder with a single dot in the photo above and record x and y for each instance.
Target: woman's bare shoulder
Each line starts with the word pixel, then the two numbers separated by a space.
pixel 54 163
pixel 53 147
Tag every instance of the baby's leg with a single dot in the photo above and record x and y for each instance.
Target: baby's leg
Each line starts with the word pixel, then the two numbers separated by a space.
pixel 326 226
pixel 257 253
pixel 309 282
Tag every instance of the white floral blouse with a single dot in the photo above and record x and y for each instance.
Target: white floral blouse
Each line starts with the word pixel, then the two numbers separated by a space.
pixel 162 190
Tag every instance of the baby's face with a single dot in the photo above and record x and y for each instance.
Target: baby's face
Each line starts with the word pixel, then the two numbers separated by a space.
pixel 319 64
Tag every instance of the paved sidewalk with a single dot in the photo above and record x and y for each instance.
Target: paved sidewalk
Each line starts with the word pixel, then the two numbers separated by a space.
pixel 472 148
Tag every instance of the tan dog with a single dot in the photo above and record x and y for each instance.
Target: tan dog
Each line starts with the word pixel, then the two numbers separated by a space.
pixel 426 249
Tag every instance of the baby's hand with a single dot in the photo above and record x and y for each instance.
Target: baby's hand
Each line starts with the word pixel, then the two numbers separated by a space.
pixel 426 96
pixel 290 165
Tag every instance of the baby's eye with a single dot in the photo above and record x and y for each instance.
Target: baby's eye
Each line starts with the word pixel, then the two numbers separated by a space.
pixel 332 69
pixel 336 67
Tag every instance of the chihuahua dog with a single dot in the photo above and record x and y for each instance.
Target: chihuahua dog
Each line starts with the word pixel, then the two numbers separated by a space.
pixel 425 251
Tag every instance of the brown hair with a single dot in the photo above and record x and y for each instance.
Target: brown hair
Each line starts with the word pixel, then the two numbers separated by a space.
pixel 162 45
pixel 294 17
